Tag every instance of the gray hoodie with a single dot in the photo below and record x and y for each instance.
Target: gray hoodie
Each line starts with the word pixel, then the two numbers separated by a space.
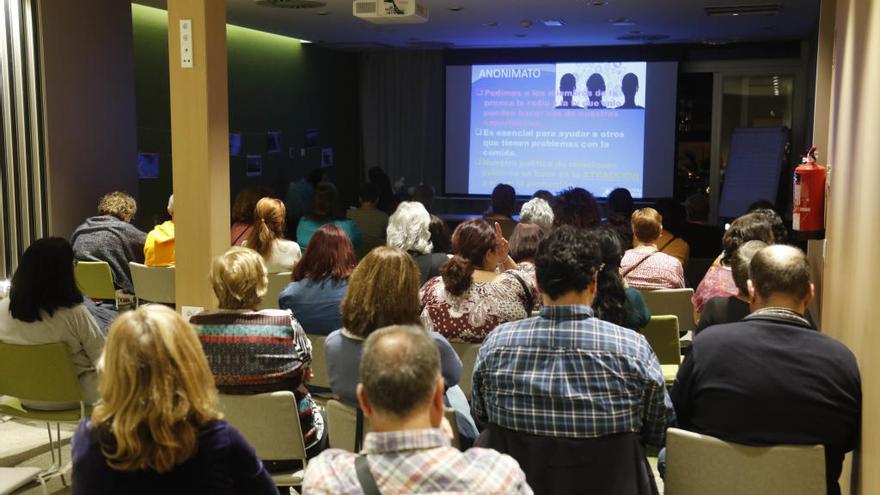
pixel 107 238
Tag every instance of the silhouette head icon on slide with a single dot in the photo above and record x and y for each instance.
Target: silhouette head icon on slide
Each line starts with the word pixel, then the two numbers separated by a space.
pixel 595 90
pixel 629 86
pixel 567 85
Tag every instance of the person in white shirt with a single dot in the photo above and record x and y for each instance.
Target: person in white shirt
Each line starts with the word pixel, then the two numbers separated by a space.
pixel 267 237
pixel 45 306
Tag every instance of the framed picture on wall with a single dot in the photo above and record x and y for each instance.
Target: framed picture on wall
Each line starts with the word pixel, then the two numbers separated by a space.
pixel 273 142
pixel 148 165
pixel 235 144
pixel 254 166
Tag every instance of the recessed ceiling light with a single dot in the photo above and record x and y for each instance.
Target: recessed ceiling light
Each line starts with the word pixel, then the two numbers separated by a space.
pixel 554 22
pixel 525 23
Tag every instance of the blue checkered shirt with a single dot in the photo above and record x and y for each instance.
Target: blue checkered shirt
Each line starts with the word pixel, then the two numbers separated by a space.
pixel 569 374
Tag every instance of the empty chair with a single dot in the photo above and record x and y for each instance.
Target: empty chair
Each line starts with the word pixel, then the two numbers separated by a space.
pixel 42 373
pixel 662 334
pixel 699 464
pixel 153 283
pixel 13 478
pixel 277 283
pixel 342 422
pixel 94 279
pixel 672 302
pixel 270 423
pixel 468 354
pixel 320 378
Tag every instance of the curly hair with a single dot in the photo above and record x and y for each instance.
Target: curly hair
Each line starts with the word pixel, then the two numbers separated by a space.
pixel 538 212
pixel 749 227
pixel 577 207
pixel 567 261
pixel 409 228
pixel 118 204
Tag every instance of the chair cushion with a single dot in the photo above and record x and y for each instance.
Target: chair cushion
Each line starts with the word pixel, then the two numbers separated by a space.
pixel 67 415
pixel 16 477
pixel 293 478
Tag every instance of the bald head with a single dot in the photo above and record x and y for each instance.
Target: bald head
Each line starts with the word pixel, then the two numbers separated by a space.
pixel 400 366
pixel 780 270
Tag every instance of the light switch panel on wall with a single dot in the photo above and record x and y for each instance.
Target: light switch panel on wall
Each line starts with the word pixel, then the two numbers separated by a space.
pixel 186 45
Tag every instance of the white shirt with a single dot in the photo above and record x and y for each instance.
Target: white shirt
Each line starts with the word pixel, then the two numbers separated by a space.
pixel 74 326
pixel 284 255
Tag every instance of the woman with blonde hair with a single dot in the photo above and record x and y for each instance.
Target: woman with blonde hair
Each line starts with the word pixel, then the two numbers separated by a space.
pixel 158 426
pixel 267 237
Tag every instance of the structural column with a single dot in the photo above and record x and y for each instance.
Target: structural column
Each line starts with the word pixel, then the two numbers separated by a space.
pixel 199 144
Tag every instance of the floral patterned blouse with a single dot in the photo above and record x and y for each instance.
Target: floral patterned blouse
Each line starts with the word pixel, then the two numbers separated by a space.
pixel 718 282
pixel 483 306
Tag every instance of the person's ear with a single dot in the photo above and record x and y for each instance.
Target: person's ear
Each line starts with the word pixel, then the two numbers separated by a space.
pixel 752 292
pixel 363 401
pixel 437 404
pixel 809 297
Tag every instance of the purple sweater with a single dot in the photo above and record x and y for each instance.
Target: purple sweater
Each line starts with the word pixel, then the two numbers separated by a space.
pixel 224 464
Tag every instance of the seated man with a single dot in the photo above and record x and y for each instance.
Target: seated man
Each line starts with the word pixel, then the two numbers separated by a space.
pixel 111 237
pixel 770 379
pixel 159 246
pixel 566 374
pixel 401 392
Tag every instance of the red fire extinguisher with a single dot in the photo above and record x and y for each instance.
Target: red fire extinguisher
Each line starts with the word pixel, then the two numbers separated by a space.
pixel 808 213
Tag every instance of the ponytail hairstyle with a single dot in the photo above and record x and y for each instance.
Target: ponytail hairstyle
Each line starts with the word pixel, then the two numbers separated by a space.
pixel 470 243
pixel 610 301
pixel 268 225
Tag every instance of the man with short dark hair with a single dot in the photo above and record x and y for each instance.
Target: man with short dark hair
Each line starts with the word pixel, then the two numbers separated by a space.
pixel 566 374
pixel 401 392
pixel 770 378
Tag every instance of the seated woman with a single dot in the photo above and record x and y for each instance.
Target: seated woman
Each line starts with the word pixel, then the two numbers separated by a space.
pixel 157 428
pixel 441 237
pixel 537 211
pixel 524 246
pixel 718 281
pixel 267 237
pixel 409 229
pixel 729 309
pixel 45 306
pixel 251 351
pixel 614 302
pixel 243 212
pixel 471 297
pixel 620 208
pixel 326 209
pixel 644 266
pixel 671 240
pixel 320 280
pixel 111 237
pixel 383 291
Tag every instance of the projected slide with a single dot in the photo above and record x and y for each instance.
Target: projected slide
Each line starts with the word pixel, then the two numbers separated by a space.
pixel 549 126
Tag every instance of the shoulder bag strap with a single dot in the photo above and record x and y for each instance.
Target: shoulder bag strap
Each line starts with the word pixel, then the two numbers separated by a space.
pixel 530 301
pixel 358 430
pixel 667 244
pixel 630 269
pixel 365 477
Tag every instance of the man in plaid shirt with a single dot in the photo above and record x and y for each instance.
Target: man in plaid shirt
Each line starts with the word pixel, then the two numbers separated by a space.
pixel 401 392
pixel 566 373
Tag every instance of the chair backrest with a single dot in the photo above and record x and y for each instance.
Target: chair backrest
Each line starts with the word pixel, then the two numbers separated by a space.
pixel 94 279
pixel 269 422
pixel 320 378
pixel 342 422
pixel 277 283
pixel 38 372
pixel 153 283
pixel 672 302
pixel 700 464
pixel 468 355
pixel 662 334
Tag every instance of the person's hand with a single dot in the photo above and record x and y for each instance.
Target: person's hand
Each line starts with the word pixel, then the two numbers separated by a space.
pixel 308 376
pixel 502 247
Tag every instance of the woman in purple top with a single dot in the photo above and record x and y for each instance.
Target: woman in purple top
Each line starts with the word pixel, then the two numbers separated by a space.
pixel 158 428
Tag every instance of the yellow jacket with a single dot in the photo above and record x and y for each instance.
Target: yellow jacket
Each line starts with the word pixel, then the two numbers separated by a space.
pixel 159 247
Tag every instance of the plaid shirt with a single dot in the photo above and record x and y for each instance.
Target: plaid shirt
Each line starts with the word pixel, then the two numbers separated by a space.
pixel 416 461
pixel 568 374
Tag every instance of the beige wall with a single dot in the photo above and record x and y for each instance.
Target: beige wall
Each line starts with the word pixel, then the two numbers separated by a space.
pixel 88 74
pixel 852 267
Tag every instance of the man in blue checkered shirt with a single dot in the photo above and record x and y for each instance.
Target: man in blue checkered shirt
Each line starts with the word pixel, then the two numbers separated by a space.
pixel 566 373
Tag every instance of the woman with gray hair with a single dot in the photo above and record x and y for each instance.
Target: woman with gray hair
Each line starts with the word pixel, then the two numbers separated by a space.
pixel 538 212
pixel 409 230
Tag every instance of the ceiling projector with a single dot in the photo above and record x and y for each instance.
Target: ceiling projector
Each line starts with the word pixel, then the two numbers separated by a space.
pixel 390 11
